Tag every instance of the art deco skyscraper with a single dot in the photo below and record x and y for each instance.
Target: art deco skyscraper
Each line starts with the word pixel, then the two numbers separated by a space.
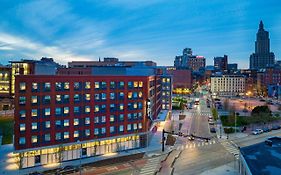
pixel 262 57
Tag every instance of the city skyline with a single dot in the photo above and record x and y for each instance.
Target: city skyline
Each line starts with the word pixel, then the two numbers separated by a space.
pixel 67 30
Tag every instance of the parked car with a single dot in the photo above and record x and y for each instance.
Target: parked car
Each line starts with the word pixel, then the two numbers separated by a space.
pixel 244 129
pixel 211 123
pixel 190 138
pixel 266 129
pixel 210 117
pixel 257 131
pixel 212 130
pixel 68 169
pixel 275 127
pixel 35 173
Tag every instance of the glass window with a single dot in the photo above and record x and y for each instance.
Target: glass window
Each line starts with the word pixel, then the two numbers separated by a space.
pixel 34 139
pixel 66 110
pixel 129 116
pixel 103 130
pixel 66 98
pixel 140 125
pixel 47 111
pixel 66 85
pixel 58 123
pixel 96 120
pixel 103 107
pixel 121 107
pixel 135 105
pixel 103 96
pixel 97 108
pixel 103 119
pixel 58 111
pixel 87 85
pixel 130 95
pixel 47 124
pixel 34 113
pixel 66 135
pixel 97 96
pixel 112 96
pixel 58 86
pixel 112 129
pixel 76 109
pixel 112 84
pixel 97 85
pixel 76 122
pixel 135 84
pixel 34 99
pixel 121 128
pixel 34 86
pixel 87 121
pixel 112 118
pixel 121 84
pixel 140 94
pixel 76 134
pixel 65 122
pixel 96 131
pixel 22 127
pixel 140 84
pixel 103 85
pixel 58 136
pixel 87 132
pixel 121 95
pixel 22 86
pixel 87 109
pixel 58 98
pixel 76 85
pixel 34 126
pixel 129 127
pixel 47 137
pixel 22 140
pixel 47 86
pixel 112 106
pixel 22 113
pixel 140 105
pixel 130 84
pixel 76 97
pixel 121 117
pixel 168 79
pixel 22 100
pixel 87 97
pixel 47 99
pixel 135 126
pixel 135 95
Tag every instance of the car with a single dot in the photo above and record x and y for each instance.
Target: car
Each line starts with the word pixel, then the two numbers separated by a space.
pixel 68 169
pixel 262 100
pixel 266 129
pixel 210 117
pixel 190 138
pixel 211 123
pixel 35 173
pixel 212 130
pixel 210 120
pixel 275 127
pixel 257 131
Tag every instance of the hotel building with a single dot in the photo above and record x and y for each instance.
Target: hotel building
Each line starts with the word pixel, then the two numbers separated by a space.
pixel 62 117
pixel 228 85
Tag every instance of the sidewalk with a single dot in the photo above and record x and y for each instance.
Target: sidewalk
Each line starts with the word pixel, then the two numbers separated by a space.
pixel 227 169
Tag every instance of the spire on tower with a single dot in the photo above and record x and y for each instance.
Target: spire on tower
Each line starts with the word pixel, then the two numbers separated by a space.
pixel 261 25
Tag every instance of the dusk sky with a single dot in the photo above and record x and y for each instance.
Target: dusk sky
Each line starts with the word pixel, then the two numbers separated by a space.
pixel 155 30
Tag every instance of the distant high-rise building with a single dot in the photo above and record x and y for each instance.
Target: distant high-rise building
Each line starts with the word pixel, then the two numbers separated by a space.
pixel 187 60
pixel 232 67
pixel 262 57
pixel 220 63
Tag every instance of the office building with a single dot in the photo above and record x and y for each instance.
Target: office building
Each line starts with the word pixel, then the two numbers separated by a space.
pixel 182 80
pixel 228 85
pixel 187 60
pixel 265 77
pixel 5 81
pixel 262 58
pixel 220 63
pixel 232 67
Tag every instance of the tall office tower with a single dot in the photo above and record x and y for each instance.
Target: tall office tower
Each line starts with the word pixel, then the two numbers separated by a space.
pixel 262 57
pixel 220 63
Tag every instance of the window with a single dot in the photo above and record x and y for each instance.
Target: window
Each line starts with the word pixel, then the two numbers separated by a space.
pixel 97 85
pixel 130 84
pixel 58 123
pixel 140 94
pixel 22 100
pixel 66 135
pixel 58 98
pixel 66 98
pixel 140 84
pixel 168 79
pixel 112 84
pixel 22 127
pixel 58 111
pixel 112 96
pixel 121 84
pixel 34 126
pixel 121 95
pixel 58 136
pixel 47 137
pixel 135 95
pixel 66 110
pixel 58 86
pixel 47 124
pixel 34 113
pixel 76 109
pixel 103 96
pixel 22 140
pixel 65 122
pixel 76 122
pixel 97 108
pixel 140 105
pixel 47 111
pixel 129 116
pixel 87 97
pixel 135 126
pixel 112 107
pixel 112 118
pixel 103 119
pixel 34 86
pixel 76 134
pixel 129 127
pixel 34 139
pixel 112 129
pixel 121 107
pixel 47 86
pixel 135 105
pixel 34 99
pixel 103 107
pixel 47 99
pixel 96 131
pixel 96 120
pixel 103 130
pixel 140 125
pixel 97 96
pixel 66 86
pixel 103 85
pixel 87 85
pixel 87 132
pixel 87 109
pixel 121 128
pixel 22 86
pixel 76 85
pixel 22 113
pixel 76 97
pixel 135 84
pixel 87 121
pixel 130 95
pixel 121 117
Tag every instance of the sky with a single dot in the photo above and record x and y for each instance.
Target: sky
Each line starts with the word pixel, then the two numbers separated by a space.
pixel 157 30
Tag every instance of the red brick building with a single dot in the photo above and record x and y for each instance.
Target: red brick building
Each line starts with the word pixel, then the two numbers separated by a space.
pixel 58 116
pixel 181 78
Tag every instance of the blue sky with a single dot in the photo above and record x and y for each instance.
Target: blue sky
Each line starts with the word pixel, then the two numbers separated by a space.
pixel 135 30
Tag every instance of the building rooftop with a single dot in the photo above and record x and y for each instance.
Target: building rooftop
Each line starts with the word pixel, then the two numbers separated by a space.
pixel 265 157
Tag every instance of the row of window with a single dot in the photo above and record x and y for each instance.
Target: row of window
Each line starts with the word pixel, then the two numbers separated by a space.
pixel 60 86
pixel 85 133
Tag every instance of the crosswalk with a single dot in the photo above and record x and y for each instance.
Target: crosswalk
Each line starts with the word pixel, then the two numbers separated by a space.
pixel 151 166
pixel 195 145
pixel 231 148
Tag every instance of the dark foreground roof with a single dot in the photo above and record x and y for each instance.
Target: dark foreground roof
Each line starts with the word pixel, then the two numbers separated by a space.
pixel 263 159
